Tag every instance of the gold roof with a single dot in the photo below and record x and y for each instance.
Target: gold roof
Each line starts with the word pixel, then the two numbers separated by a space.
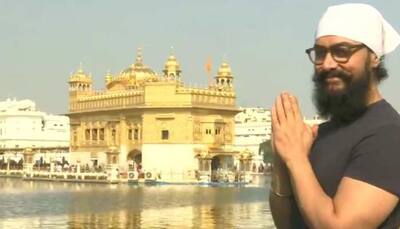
pixel 171 67
pixel 138 71
pixel 172 63
pixel 80 76
pixel 224 71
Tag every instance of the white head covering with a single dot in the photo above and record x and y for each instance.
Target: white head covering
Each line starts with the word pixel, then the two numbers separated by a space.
pixel 362 23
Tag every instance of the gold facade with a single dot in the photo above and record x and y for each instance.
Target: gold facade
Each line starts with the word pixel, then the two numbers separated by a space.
pixel 139 107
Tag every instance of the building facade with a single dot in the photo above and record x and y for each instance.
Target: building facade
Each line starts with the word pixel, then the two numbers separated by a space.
pixel 315 120
pixel 22 126
pixel 155 122
pixel 253 127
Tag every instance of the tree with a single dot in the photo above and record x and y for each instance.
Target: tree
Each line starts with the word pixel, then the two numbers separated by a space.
pixel 266 149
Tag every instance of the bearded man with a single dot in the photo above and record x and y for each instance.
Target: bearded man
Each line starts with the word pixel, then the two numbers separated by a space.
pixel 344 173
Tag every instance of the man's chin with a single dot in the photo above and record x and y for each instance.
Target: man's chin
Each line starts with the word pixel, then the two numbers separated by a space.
pixel 335 91
pixel 334 86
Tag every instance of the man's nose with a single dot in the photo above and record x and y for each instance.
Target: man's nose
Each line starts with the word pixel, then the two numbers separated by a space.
pixel 329 63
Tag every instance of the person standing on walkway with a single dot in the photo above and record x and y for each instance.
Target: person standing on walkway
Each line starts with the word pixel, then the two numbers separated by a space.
pixel 344 173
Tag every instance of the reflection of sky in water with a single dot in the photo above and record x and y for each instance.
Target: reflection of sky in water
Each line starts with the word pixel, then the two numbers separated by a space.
pixel 65 205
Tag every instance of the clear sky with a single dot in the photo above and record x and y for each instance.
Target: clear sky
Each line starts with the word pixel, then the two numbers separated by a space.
pixel 42 42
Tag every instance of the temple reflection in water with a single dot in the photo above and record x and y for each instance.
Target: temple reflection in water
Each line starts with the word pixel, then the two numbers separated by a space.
pixel 183 217
pixel 69 205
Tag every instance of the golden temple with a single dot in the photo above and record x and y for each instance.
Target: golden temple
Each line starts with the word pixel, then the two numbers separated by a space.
pixel 154 121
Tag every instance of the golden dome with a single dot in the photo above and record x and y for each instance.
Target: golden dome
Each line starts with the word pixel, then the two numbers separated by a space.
pixel 171 67
pixel 224 71
pixel 80 76
pixel 224 77
pixel 172 63
pixel 138 70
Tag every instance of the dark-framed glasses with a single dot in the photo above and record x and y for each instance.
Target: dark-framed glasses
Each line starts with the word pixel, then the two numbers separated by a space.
pixel 341 52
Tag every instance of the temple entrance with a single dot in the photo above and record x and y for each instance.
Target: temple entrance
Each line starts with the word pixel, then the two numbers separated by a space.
pixel 221 167
pixel 215 163
pixel 134 158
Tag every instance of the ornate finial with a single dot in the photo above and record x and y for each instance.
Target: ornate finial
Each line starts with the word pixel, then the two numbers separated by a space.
pixel 108 76
pixel 224 58
pixel 171 56
pixel 80 67
pixel 139 56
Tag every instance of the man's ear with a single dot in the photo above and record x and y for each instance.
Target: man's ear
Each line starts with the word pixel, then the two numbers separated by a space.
pixel 375 60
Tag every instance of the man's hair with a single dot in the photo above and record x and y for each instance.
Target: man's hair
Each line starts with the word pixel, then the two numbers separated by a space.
pixel 380 72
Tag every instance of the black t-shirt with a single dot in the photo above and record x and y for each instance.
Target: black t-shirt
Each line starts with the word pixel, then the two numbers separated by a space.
pixel 367 149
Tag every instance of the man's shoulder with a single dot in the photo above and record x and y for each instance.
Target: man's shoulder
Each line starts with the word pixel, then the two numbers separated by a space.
pixel 380 115
pixel 379 128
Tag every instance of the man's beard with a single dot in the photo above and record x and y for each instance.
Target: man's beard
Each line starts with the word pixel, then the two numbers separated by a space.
pixel 349 103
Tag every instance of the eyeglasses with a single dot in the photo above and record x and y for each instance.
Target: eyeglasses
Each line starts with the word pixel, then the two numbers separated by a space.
pixel 341 52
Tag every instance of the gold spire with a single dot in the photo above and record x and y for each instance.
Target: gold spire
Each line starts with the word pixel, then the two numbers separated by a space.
pixel 80 69
pixel 109 77
pixel 224 77
pixel 172 62
pixel 139 57
pixel 80 80
pixel 80 74
pixel 171 58
pixel 138 70
pixel 224 71
pixel 171 67
pixel 138 65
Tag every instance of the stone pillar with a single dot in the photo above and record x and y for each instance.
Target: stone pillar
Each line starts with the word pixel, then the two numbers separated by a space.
pixel 8 165
pixel 123 143
pixel 52 169
pixel 248 173
pixel 205 175
pixel 78 170
pixel 112 164
pixel 28 162
pixel 123 134
pixel 245 158
pixel 209 165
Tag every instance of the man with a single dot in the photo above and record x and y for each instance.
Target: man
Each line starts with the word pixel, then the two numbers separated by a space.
pixel 346 172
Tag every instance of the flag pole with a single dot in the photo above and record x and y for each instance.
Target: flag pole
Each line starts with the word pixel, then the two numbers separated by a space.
pixel 208 70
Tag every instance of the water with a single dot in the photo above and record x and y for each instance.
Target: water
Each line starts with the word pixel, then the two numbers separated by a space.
pixel 29 204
